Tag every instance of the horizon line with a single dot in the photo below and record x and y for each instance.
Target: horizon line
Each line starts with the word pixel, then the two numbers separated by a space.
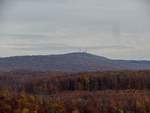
pixel 67 53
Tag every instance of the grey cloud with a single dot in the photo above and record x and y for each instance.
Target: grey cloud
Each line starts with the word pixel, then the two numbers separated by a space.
pixel 2 5
pixel 95 15
pixel 23 36
pixel 43 25
pixel 60 46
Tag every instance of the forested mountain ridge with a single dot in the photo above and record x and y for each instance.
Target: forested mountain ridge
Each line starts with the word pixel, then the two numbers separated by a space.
pixel 72 62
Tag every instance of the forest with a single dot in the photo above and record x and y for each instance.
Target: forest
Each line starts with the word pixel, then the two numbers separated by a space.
pixel 88 92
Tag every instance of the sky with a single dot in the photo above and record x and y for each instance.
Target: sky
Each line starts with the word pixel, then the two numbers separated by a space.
pixel 118 29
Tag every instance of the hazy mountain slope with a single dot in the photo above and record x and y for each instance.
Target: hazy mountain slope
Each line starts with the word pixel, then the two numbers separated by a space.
pixel 73 62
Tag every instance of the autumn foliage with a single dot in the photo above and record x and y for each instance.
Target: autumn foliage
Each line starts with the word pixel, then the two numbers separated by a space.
pixel 91 92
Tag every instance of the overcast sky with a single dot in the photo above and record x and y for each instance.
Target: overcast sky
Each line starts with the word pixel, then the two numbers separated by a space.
pixel 113 28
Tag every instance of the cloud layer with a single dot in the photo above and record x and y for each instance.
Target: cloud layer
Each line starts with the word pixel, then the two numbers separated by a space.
pixel 116 29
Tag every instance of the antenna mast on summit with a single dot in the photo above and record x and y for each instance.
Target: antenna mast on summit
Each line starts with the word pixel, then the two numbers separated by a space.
pixel 81 50
pixel 85 50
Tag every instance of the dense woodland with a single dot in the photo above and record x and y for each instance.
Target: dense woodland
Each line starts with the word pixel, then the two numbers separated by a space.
pixel 89 92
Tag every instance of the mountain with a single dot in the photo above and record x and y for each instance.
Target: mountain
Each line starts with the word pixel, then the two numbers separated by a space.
pixel 72 62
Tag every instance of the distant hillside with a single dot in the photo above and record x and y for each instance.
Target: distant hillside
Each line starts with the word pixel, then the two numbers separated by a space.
pixel 72 62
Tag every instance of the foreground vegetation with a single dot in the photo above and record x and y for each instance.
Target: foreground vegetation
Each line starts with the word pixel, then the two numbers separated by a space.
pixel 97 92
